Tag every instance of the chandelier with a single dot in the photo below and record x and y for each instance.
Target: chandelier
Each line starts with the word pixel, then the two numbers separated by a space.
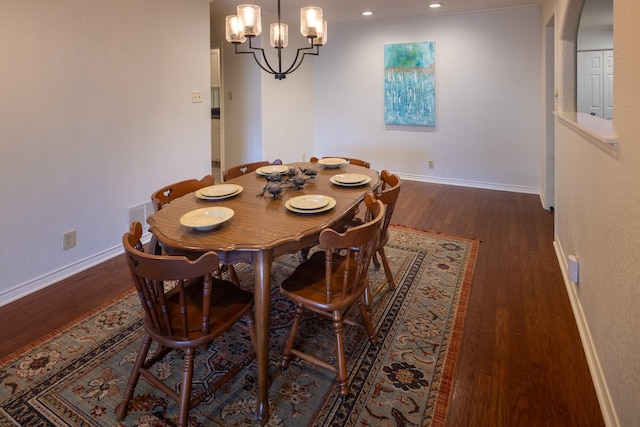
pixel 247 25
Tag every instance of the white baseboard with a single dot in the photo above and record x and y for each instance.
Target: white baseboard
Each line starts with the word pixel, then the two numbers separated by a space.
pixel 597 375
pixel 34 285
pixel 473 184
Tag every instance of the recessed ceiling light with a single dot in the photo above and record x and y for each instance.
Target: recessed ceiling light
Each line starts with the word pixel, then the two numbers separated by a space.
pixel 435 5
pixel 367 13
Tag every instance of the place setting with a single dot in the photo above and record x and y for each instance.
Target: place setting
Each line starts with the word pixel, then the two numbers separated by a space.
pixel 350 179
pixel 332 162
pixel 204 219
pixel 310 204
pixel 218 191
pixel 271 169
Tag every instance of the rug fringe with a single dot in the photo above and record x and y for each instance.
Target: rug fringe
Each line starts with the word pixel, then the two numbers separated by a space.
pixel 445 394
pixel 437 233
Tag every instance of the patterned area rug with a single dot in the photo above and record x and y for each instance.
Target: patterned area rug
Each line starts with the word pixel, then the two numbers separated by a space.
pixel 76 377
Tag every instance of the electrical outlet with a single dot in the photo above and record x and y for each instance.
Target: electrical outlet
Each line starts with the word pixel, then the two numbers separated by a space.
pixel 431 164
pixel 196 96
pixel 68 240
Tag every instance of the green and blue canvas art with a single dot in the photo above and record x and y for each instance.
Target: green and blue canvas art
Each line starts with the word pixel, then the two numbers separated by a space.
pixel 409 84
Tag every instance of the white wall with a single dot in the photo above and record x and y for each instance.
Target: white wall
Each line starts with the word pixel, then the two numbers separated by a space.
pixel 598 219
pixel 267 118
pixel 288 105
pixel 95 114
pixel 488 97
pixel 595 39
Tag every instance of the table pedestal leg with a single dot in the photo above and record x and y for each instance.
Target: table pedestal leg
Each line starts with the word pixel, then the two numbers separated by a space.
pixel 262 268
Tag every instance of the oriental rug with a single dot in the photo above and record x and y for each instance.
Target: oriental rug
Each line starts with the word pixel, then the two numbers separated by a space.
pixel 76 376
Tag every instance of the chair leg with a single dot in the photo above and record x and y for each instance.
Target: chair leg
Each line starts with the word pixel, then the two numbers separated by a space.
pixel 376 261
pixel 233 275
pixel 367 296
pixel 389 276
pixel 154 246
pixel 288 345
pixel 160 352
pixel 368 325
pixel 248 318
pixel 387 269
pixel 185 393
pixel 121 409
pixel 341 361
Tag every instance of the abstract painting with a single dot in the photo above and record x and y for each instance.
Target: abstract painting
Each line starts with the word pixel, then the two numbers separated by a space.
pixel 409 84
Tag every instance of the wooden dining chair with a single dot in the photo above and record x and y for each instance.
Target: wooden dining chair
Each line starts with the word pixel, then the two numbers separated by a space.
pixel 194 312
pixel 330 282
pixel 169 193
pixel 305 251
pixel 351 160
pixel 178 189
pixel 388 194
pixel 245 168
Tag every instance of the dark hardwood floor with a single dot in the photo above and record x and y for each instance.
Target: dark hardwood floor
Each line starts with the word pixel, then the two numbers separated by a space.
pixel 521 361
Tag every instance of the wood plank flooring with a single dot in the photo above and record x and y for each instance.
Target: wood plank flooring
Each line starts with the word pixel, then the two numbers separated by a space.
pixel 521 361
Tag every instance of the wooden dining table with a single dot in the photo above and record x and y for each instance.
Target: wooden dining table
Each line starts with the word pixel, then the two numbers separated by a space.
pixel 261 229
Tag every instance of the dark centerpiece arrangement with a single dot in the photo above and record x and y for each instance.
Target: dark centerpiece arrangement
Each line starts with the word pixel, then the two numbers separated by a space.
pixel 279 181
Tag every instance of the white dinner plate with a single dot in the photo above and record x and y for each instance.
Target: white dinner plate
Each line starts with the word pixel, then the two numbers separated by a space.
pixel 350 178
pixel 332 162
pixel 309 202
pixel 213 193
pixel 266 170
pixel 337 181
pixel 304 204
pixel 206 218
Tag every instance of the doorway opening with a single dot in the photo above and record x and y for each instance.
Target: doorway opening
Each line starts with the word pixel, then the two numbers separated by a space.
pixel 216 131
pixel 548 166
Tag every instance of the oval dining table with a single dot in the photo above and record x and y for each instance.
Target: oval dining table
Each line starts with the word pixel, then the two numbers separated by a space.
pixel 260 230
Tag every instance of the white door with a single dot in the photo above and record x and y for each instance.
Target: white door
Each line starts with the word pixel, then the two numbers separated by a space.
pixel 590 83
pixel 215 67
pixel 608 84
pixel 595 83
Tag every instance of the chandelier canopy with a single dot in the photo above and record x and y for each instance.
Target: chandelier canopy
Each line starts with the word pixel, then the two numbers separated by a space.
pixel 247 24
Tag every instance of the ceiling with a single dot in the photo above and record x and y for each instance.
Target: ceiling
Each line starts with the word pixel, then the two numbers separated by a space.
pixel 350 11
pixel 595 12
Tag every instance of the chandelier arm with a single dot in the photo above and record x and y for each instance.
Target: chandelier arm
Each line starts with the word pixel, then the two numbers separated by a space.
pixel 294 66
pixel 264 57
pixel 268 68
